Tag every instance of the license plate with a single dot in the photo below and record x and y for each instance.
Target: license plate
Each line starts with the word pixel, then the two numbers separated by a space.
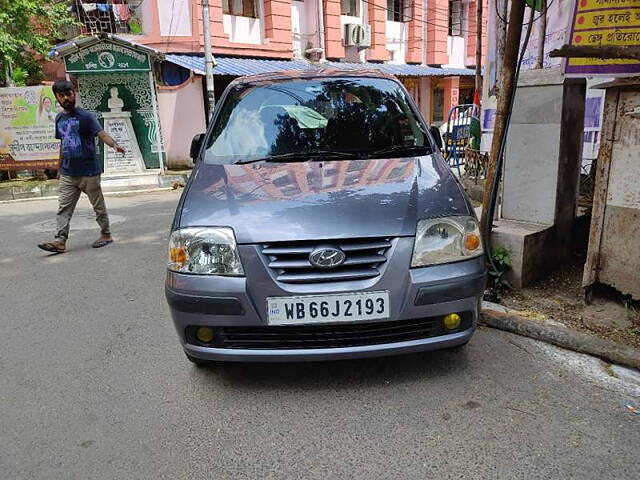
pixel 344 307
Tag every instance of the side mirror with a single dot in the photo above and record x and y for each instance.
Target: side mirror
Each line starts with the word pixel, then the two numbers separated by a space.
pixel 435 133
pixel 196 144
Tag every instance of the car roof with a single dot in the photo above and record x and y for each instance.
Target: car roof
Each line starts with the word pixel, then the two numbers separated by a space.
pixel 328 72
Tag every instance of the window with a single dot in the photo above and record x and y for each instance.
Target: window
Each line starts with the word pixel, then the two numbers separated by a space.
pixel 350 7
pixel 303 118
pixel 455 18
pixel 240 8
pixel 398 10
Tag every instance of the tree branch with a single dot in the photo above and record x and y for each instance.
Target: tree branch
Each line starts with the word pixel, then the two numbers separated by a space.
pixel 631 52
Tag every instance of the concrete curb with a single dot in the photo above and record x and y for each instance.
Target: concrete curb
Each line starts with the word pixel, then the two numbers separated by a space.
pixel 106 194
pixel 496 316
pixel 160 183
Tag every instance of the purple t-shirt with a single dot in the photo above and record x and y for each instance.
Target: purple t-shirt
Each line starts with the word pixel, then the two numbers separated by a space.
pixel 78 131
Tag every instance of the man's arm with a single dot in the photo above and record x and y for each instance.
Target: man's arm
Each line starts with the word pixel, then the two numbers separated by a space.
pixel 106 138
pixel 59 161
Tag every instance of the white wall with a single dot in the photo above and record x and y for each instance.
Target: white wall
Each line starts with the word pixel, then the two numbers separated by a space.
pixel 457 51
pixel 397 39
pixel 243 29
pixel 304 25
pixel 181 117
pixel 175 18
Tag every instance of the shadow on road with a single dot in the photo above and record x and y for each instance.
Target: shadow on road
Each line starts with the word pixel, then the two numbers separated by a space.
pixel 341 374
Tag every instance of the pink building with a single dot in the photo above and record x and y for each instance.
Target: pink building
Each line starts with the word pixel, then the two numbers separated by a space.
pixel 428 44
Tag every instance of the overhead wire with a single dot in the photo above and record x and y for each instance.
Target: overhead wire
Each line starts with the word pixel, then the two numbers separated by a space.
pixel 506 22
pixel 409 17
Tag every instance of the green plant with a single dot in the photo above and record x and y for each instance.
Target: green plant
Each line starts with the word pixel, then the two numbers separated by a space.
pixel 28 29
pixel 498 267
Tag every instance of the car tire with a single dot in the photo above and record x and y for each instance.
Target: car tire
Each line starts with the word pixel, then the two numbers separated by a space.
pixel 199 361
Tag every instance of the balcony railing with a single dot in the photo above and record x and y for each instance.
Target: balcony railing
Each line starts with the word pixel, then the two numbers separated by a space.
pixel 108 16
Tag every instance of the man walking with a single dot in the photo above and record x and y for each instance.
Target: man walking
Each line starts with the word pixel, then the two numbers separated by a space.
pixel 78 169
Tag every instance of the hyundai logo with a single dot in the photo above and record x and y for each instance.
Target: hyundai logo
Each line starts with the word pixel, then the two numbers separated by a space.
pixel 327 257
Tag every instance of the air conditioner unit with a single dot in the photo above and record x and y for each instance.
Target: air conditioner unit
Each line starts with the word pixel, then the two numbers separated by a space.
pixel 357 35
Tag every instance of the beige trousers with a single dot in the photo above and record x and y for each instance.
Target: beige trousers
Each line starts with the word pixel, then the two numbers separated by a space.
pixel 69 189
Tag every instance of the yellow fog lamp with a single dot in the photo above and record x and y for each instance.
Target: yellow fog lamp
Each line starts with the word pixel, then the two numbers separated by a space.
pixel 451 321
pixel 204 334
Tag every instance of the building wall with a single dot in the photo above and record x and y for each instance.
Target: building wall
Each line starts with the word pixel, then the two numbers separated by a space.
pixel 181 117
pixel 268 36
pixel 284 29
pixel 286 26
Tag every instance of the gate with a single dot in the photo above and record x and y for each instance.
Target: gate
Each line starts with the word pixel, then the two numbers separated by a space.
pixel 456 134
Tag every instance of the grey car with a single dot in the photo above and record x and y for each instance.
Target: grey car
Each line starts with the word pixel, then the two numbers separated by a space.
pixel 320 222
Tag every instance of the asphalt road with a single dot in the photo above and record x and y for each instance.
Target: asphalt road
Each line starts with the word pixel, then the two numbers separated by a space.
pixel 93 384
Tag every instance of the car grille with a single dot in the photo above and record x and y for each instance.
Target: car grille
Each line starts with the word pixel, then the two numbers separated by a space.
pixel 329 336
pixel 290 260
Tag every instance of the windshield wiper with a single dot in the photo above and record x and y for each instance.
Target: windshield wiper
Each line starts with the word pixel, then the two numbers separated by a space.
pixel 400 149
pixel 302 156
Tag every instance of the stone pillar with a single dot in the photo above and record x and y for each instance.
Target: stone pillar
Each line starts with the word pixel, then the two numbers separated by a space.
pixel 437 32
pixel 334 50
pixel 451 95
pixel 378 22
pixel 416 42
pixel 277 21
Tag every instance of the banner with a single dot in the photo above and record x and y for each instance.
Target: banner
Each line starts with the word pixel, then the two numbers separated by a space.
pixel 604 23
pixel 27 128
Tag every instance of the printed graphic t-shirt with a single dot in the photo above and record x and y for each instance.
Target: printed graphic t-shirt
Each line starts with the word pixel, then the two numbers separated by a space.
pixel 78 130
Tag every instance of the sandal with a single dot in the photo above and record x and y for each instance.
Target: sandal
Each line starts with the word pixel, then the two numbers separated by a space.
pixel 101 243
pixel 51 247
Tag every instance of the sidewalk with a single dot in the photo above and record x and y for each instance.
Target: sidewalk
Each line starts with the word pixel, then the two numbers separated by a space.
pixel 22 189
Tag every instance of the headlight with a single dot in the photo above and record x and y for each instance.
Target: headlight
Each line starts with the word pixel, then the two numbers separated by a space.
pixel 204 251
pixel 443 240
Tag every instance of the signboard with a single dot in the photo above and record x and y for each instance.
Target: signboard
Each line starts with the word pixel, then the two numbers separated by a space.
pixel 605 22
pixel 27 129
pixel 107 57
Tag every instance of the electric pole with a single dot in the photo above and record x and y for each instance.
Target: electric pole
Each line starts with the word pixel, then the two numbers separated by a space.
pixel 208 57
pixel 479 46
pixel 506 87
pixel 542 32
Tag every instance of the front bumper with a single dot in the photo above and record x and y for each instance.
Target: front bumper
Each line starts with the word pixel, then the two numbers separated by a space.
pixel 420 293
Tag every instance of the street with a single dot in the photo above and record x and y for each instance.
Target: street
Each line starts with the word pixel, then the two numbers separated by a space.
pixel 93 384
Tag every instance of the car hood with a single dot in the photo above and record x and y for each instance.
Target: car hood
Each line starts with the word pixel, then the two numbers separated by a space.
pixel 271 202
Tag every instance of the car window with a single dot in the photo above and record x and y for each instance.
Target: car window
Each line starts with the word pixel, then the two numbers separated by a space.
pixel 352 115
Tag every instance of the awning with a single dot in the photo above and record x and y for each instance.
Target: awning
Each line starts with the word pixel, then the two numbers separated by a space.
pixel 81 42
pixel 250 66
pixel 238 66
pixel 407 70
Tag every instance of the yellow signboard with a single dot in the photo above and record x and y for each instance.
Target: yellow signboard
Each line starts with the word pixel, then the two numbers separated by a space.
pixel 600 23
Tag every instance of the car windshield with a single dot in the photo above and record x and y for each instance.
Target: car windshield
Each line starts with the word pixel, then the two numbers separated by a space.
pixel 297 120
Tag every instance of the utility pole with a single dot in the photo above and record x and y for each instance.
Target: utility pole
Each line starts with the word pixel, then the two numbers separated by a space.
pixel 479 46
pixel 509 65
pixel 501 33
pixel 208 57
pixel 542 32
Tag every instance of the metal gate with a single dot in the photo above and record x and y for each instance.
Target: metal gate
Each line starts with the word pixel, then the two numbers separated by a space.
pixel 455 134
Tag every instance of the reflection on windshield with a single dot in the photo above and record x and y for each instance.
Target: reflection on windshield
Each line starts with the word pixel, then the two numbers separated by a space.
pixel 358 115
pixel 254 183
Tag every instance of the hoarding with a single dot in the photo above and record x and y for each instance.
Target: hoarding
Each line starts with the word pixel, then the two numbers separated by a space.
pixel 604 23
pixel 27 128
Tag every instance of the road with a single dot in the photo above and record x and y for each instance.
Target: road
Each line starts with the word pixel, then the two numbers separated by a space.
pixel 94 385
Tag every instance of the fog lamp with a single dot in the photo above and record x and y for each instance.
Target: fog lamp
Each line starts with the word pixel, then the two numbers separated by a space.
pixel 451 321
pixel 204 334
